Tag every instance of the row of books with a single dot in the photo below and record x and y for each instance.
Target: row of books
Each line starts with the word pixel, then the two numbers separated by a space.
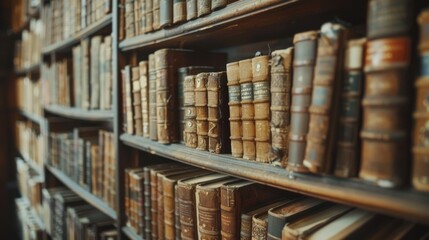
pixel 173 201
pixel 29 95
pixel 30 142
pixel 28 50
pixel 30 185
pixel 85 81
pixel 142 16
pixel 87 156
pixel 31 226
pixel 65 18
pixel 67 216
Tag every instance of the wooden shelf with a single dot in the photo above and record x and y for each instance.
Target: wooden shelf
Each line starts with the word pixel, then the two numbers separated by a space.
pixel 81 114
pixel 88 31
pixel 403 203
pixel 248 19
pixel 32 69
pixel 32 164
pixel 83 193
pixel 131 234
pixel 32 117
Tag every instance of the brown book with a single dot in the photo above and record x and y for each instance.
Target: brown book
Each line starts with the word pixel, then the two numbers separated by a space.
pixel 191 9
pixel 155 14
pixel 385 110
pixel 305 46
pixel 247 109
pixel 207 197
pixel 107 69
pixel 347 158
pixel 122 20
pixel 201 111
pixel 86 89
pixel 177 225
pixel 135 78
pixel 129 19
pixel 203 7
pixel 321 137
pixel 239 196
pixel 128 100
pixel 153 134
pixel 261 102
pixel 124 101
pixel 149 15
pixel 179 11
pixel 165 13
pixel 260 225
pixel 281 83
pixel 234 97
pixel 144 91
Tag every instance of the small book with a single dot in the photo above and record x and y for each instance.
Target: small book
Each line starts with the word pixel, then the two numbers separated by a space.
pixel 201 111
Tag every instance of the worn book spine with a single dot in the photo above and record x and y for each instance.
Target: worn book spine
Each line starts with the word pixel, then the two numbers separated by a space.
pixel 246 227
pixel 187 211
pixel 122 20
pixel 201 110
pixel 218 128
pixel 191 9
pixel 420 172
pixel 259 227
pixel 129 19
pixel 179 11
pixel 138 126
pixel 108 73
pixel 203 7
pixel 161 224
pixel 128 100
pixel 385 110
pixel 261 102
pixel 234 102
pixel 281 83
pixel 154 203
pixel 177 225
pixel 190 131
pixel 144 91
pixel 149 15
pixel 208 205
pixel 86 89
pixel 155 14
pixel 147 204
pixel 142 18
pixel 347 158
pixel 153 133
pixel 169 208
pixel 247 109
pixel 321 136
pixel 137 17
pixel 305 46
pixel 165 13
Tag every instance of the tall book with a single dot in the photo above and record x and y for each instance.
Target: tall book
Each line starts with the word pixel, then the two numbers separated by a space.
pixel 108 91
pixel 190 128
pixel 127 83
pixel 153 134
pixel 321 138
pixel 95 72
pixel 281 83
pixel 137 104
pixel 201 111
pixel 77 73
pixel 155 14
pixel 247 109
pixel 347 158
pixel 179 11
pixel 305 46
pixel 234 102
pixel 144 91
pixel 129 19
pixel 191 9
pixel 149 15
pixel 165 13
pixel 203 7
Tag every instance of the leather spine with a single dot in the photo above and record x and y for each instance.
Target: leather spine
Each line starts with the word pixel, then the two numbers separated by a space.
pixel 187 211
pixel 138 126
pixel 179 11
pixel 234 97
pixel 281 83
pixel 260 226
pixel 144 91
pixel 191 9
pixel 190 131
pixel 203 7
pixel 153 133
pixel 155 14
pixel 216 4
pixel 149 15
pixel 201 110
pixel 247 109
pixel 129 19
pixel 305 46
pixel 177 225
pixel 208 213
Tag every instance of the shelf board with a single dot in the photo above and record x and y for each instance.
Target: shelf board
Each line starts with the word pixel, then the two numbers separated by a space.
pixel 403 203
pixel 32 164
pixel 31 69
pixel 88 31
pixel 82 192
pixel 81 114
pixel 130 233
pixel 247 19
pixel 32 117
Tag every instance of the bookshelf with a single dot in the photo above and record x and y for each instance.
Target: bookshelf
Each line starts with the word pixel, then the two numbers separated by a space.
pixel 80 114
pixel 35 68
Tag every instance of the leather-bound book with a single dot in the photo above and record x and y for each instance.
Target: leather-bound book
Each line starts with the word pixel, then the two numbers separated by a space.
pixel 218 127
pixel 142 17
pixel 201 111
pixel 207 197
pixel 420 173
pixel 385 110
pixel 153 134
pixel 325 99
pixel 247 109
pixel 234 97
pixel 239 196
pixel 261 102
pixel 191 9
pixel 260 225
pixel 347 154
pixel 144 91
pixel 129 19
pixel 86 90
pixel 388 18
pixel 179 11
pixel 108 73
pixel 190 129
pixel 128 100
pixel 305 52
pixel 187 206
pixel 155 14
pixel 121 15
pixel 165 13
pixel 137 104
pixel 149 15
pixel 203 7
pixel 283 214
pixel 177 226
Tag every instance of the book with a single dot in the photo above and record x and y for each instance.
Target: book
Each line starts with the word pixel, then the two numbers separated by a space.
pixel 153 134
pixel 203 7
pixel 305 52
pixel 129 19
pixel 149 15
pixel 144 91
pixel 165 13
pixel 247 109
pixel 201 111
pixel 234 102
pixel 179 11
pixel 191 9
pixel 127 84
pixel 136 99
pixel 95 72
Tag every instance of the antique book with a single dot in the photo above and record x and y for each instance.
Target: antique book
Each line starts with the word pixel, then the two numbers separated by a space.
pixel 77 74
pixel 385 110
pixel 108 73
pixel 201 111
pixel 218 127
pixel 260 225
pixel 177 225
pixel 207 199
pixel 102 74
pixel 179 11
pixel 347 154
pixel 321 137
pixel 240 196
pixel 187 207
pixel 281 83
pixel 137 17
pixel 282 214
pixel 149 15
pixel 302 227
pixel 389 18
pixel 142 17
pixel 128 100
pixel 86 86
pixel 144 91
pixel 129 19
pixel 305 52
pixel 234 102
pixel 167 61
pixel 261 102
pixel 124 101
pixel 191 9
pixel 247 109
pixel 137 108
pixel 165 13
pixel 153 134
pixel 203 7
pixel 155 14
pixel 122 20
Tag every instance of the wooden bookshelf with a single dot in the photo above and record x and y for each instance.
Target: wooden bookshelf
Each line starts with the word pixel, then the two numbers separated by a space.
pixel 82 192
pixel 35 68
pixel 81 114
pixel 71 41
pixel 32 117
pixel 131 234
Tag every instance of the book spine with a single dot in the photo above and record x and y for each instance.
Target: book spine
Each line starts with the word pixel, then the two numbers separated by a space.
pixel 261 102
pixel 191 9
pixel 144 91
pixel 190 130
pixel 165 13
pixel 203 7
pixel 147 204
pixel 177 225
pixel 142 20
pixel 201 110
pixel 154 203
pixel 129 102
pixel 186 195
pixel 155 14
pixel 247 109
pixel 122 19
pixel 161 223
pixel 259 228
pixel 169 209
pixel 137 104
pixel 129 19
pixel 347 159
pixel 108 72
pixel 281 83
pixel 229 205
pixel 140 205
pixel 181 73
pixel 127 196
pixel 246 227
pixel 153 133
pixel 179 11
pixel 325 99
pixel 385 107
pixel 208 213
pixel 305 45
pixel 234 102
